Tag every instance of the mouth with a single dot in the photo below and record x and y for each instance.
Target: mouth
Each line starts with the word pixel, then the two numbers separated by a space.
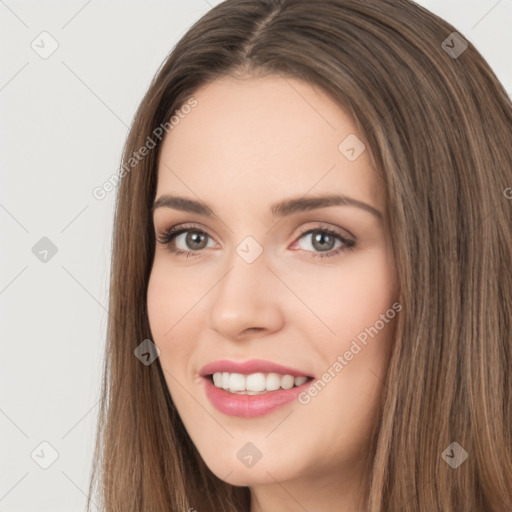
pixel 251 388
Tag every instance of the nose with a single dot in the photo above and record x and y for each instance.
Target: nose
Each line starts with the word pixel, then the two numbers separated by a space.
pixel 247 301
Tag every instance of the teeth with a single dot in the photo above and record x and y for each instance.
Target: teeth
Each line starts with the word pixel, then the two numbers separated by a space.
pixel 273 382
pixel 287 382
pixel 217 379
pixel 300 380
pixel 255 383
pixel 237 382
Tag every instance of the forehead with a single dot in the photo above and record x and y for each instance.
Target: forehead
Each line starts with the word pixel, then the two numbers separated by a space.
pixel 255 140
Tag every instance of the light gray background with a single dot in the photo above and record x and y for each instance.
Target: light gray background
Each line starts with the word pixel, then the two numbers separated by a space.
pixel 63 121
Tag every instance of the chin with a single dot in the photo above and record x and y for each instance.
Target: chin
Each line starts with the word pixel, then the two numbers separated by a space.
pixel 234 472
pixel 244 477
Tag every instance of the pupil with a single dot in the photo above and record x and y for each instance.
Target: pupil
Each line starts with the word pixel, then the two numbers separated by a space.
pixel 195 238
pixel 321 239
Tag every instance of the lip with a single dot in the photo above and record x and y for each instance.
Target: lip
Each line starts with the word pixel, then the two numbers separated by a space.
pixel 250 406
pixel 247 367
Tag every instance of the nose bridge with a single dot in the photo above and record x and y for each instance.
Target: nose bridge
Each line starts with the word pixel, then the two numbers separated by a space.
pixel 244 297
pixel 243 282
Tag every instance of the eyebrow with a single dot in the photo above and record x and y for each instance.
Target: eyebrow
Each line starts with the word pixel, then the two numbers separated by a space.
pixel 279 209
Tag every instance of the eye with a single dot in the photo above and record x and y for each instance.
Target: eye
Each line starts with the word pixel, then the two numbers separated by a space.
pixel 189 236
pixel 322 242
pixel 193 240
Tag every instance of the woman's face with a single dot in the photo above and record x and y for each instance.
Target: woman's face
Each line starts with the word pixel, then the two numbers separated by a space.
pixel 269 273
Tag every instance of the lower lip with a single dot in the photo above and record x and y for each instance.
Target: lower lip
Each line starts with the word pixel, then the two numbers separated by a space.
pixel 250 406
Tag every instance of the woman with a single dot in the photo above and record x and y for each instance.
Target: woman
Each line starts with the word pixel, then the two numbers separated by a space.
pixel 310 287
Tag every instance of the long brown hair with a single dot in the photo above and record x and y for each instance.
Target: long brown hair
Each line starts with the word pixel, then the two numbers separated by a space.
pixel 439 125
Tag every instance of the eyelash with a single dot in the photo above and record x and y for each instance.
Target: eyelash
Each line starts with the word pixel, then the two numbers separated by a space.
pixel 166 237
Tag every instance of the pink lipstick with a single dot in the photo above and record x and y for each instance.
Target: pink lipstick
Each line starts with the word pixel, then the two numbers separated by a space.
pixel 251 388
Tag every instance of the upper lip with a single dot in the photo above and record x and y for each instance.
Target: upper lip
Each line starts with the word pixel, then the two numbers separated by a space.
pixel 248 367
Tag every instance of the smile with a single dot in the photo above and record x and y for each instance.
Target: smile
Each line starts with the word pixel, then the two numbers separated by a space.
pixel 251 388
pixel 255 383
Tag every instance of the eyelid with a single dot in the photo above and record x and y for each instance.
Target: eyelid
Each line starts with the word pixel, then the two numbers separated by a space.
pixel 178 229
pixel 319 225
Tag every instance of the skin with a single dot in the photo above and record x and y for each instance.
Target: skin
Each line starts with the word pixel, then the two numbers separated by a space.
pixel 248 143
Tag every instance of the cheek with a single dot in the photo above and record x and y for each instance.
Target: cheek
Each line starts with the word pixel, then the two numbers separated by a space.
pixel 170 307
pixel 158 298
pixel 172 296
pixel 356 357
pixel 350 298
